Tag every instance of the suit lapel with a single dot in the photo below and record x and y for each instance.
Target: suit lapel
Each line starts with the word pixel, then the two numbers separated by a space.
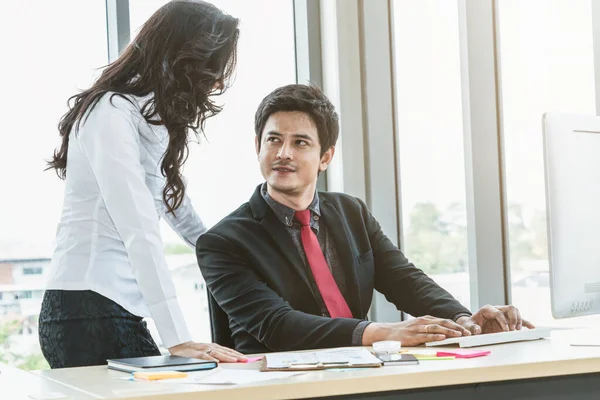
pixel 339 231
pixel 280 235
pixel 283 240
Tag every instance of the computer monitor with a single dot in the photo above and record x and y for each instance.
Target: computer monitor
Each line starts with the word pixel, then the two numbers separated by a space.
pixel 572 170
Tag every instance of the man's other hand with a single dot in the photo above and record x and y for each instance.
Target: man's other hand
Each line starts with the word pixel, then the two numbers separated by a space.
pixel 490 319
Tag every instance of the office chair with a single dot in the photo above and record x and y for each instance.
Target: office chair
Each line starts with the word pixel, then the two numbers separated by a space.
pixel 219 323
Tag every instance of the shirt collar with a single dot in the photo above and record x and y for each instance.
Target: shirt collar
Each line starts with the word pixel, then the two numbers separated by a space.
pixel 286 214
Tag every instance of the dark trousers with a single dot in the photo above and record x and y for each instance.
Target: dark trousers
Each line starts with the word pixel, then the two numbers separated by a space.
pixel 82 328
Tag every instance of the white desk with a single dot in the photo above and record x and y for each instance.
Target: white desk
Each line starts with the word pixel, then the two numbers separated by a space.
pixel 16 384
pixel 518 366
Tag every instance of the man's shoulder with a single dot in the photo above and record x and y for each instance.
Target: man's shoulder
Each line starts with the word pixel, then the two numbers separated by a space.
pixel 234 224
pixel 341 200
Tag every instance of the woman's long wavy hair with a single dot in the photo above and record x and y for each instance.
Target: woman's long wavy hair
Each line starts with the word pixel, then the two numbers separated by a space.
pixel 184 54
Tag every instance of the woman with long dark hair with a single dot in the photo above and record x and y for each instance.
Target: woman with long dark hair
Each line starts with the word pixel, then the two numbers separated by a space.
pixel 124 142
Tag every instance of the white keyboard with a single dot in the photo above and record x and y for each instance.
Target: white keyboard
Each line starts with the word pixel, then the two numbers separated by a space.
pixel 494 338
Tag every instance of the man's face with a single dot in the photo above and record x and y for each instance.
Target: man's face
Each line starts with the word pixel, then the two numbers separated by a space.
pixel 290 153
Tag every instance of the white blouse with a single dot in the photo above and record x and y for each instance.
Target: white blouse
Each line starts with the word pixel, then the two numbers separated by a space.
pixel 108 238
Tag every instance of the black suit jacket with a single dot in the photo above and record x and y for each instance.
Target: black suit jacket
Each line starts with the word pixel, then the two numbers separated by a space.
pixel 257 277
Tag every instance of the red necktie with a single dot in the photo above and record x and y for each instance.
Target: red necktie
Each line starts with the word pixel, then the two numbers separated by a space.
pixel 334 301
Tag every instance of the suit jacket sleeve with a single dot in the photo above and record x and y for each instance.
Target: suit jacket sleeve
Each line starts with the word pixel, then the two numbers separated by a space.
pixel 404 285
pixel 262 312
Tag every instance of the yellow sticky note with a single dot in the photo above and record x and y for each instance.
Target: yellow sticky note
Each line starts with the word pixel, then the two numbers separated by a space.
pixel 428 355
pixel 154 376
pixel 424 357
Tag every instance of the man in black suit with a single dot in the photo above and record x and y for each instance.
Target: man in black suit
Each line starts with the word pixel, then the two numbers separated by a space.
pixel 295 268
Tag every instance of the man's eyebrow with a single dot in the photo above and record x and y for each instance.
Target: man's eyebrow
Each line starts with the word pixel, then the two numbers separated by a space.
pixel 295 135
pixel 302 136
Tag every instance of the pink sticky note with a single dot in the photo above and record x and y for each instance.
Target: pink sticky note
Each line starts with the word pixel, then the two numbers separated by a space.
pixel 463 353
pixel 251 359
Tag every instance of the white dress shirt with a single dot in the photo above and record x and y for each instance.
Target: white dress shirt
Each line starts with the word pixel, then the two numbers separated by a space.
pixel 108 238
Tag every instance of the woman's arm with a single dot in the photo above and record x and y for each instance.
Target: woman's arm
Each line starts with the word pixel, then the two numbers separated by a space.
pixel 186 222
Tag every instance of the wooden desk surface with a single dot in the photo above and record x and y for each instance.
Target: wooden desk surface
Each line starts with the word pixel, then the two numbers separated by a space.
pixel 525 360
pixel 16 384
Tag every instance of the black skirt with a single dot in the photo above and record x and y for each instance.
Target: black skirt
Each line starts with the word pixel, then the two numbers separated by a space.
pixel 82 328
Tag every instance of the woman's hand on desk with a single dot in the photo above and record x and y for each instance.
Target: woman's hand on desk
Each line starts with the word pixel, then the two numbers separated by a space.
pixel 206 351
pixel 413 332
pixel 490 319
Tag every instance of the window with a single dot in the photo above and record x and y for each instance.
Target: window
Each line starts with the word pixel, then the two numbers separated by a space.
pixel 27 294
pixel 32 271
pixel 70 50
pixel 547 64
pixel 222 171
pixel 430 140
pixel 52 49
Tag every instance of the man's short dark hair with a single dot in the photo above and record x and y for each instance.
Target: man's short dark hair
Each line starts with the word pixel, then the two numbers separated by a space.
pixel 308 99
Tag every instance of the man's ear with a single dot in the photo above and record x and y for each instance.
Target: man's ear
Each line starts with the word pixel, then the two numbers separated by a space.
pixel 326 158
pixel 256 144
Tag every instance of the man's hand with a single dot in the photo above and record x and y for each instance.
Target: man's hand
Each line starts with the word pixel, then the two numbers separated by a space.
pixel 413 332
pixel 490 319
pixel 206 351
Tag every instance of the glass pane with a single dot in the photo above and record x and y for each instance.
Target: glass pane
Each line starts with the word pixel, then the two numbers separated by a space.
pixel 547 64
pixel 222 171
pixel 52 49
pixel 430 141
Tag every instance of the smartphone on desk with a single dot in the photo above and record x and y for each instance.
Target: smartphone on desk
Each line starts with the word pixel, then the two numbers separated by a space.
pixel 398 359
